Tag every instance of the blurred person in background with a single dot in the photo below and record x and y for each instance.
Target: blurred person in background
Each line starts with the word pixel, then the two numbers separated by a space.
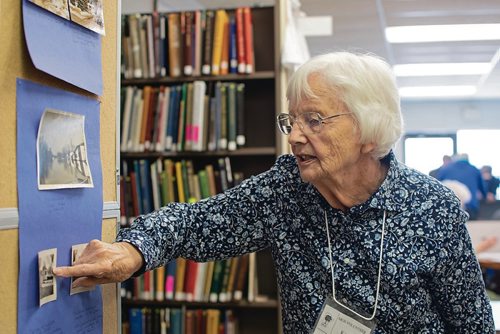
pixel 490 183
pixel 463 171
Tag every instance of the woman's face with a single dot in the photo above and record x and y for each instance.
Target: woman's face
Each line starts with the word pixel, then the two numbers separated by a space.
pixel 335 149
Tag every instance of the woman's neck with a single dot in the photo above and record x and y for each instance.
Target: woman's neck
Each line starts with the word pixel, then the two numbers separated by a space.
pixel 356 186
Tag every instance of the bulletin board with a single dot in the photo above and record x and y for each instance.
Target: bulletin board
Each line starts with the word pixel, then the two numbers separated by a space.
pixel 15 63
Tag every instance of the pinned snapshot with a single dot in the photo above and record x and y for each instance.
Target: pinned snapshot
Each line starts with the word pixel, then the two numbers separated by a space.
pixel 62 151
pixel 88 13
pixel 76 251
pixel 46 279
pixel 58 7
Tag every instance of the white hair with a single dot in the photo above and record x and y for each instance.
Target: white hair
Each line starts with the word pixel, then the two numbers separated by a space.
pixel 366 85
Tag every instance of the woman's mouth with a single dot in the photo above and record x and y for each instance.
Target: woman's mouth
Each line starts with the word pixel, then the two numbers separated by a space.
pixel 304 158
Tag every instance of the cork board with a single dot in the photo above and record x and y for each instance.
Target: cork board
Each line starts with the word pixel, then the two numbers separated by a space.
pixel 15 63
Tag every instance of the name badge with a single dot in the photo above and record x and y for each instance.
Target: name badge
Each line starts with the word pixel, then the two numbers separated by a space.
pixel 336 319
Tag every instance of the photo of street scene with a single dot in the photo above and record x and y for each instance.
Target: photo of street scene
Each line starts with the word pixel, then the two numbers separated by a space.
pixel 62 151
pixel 76 251
pixel 46 279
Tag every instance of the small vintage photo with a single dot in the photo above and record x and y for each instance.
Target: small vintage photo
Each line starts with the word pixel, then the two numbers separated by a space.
pixel 76 251
pixel 46 280
pixel 62 151
pixel 58 7
pixel 88 13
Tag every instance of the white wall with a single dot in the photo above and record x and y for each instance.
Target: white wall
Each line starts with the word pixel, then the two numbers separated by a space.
pixel 449 116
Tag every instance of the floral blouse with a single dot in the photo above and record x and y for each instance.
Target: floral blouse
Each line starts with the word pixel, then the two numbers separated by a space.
pixel 430 280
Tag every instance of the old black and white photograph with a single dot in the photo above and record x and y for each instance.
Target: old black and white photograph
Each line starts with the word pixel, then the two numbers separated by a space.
pixel 88 13
pixel 76 251
pixel 62 151
pixel 46 279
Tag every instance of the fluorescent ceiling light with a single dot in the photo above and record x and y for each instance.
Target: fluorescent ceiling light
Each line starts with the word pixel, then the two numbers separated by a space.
pixel 418 70
pixel 436 33
pixel 437 91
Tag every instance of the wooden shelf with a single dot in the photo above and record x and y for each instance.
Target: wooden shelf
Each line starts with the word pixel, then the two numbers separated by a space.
pixel 248 151
pixel 261 75
pixel 270 304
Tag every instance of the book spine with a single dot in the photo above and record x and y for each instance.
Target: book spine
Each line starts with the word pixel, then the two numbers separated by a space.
pixel 240 114
pixel 207 44
pixel 174 44
pixel 240 41
pixel 248 28
pixel 188 44
pixel 231 111
pixel 217 41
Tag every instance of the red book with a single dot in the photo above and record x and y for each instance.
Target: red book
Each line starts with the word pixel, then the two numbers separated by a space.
pixel 248 28
pixel 240 41
pixel 190 279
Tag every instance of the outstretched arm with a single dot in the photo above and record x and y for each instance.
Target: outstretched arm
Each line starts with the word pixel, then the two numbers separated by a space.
pixel 102 263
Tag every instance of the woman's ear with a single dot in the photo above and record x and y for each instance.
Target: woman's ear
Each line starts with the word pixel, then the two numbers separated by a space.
pixel 367 148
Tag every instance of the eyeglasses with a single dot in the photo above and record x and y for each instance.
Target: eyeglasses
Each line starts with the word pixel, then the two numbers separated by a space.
pixel 309 122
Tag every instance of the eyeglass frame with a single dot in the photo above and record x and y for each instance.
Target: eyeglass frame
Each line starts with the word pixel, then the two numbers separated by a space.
pixel 321 119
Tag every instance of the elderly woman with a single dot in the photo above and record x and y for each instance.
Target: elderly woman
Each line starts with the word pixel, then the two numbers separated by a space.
pixel 361 243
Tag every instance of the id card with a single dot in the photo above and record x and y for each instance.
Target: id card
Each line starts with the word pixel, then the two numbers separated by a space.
pixel 336 319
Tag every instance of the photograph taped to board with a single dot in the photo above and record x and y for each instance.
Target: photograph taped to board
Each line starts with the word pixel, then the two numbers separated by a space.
pixel 62 151
pixel 76 251
pixel 46 279
pixel 88 13
pixel 58 7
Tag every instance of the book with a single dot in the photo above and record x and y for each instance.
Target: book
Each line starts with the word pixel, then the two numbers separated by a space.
pixel 190 279
pixel 222 133
pixel 232 278
pixel 188 43
pixel 217 277
pixel 126 117
pixel 199 287
pixel 136 49
pixel 233 51
pixel 240 114
pixel 198 124
pixel 143 45
pixel 241 277
pixel 231 116
pixel 248 29
pixel 224 59
pixel 208 281
pixel 207 42
pixel 225 280
pixel 240 41
pixel 160 283
pixel 220 21
pixel 135 320
pixel 174 44
pixel 180 273
pixel 198 22
pixel 170 279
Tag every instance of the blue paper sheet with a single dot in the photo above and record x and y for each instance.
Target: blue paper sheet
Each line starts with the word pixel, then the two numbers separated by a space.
pixel 55 218
pixel 63 48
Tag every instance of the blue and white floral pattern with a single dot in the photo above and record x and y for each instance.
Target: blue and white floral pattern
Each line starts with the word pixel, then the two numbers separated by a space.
pixel 430 283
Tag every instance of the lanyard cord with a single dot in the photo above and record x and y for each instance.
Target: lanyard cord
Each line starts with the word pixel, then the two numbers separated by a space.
pixel 379 270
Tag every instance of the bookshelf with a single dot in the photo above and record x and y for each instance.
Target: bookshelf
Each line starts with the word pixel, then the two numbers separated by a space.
pixel 262 101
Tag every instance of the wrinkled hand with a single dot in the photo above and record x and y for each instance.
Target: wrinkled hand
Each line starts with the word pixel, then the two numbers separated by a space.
pixel 102 263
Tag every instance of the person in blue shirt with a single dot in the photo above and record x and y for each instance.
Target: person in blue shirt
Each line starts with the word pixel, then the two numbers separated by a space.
pixel 462 171
pixel 358 239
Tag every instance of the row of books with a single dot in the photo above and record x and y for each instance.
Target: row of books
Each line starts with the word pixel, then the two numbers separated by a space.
pixel 179 321
pixel 230 280
pixel 147 185
pixel 189 43
pixel 194 116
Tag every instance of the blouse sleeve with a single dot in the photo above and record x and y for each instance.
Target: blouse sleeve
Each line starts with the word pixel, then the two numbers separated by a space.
pixel 457 285
pixel 233 223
